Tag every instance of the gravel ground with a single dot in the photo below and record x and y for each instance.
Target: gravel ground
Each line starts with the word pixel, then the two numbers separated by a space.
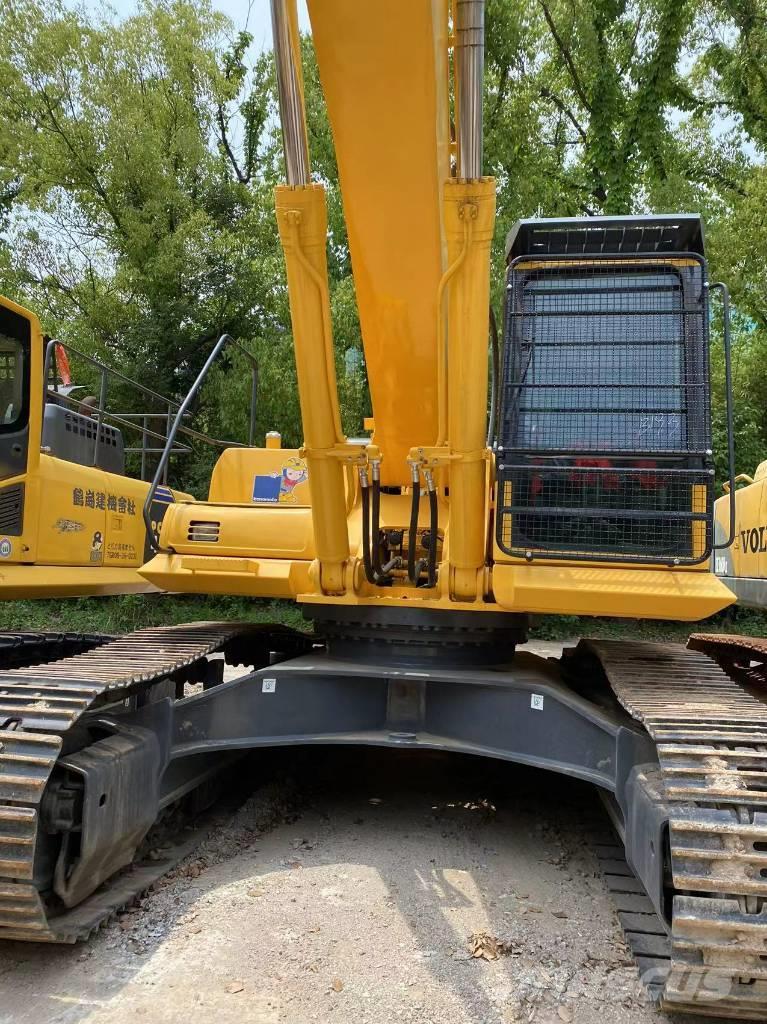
pixel 351 894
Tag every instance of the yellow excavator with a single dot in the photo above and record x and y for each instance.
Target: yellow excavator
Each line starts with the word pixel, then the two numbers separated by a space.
pixel 743 565
pixel 419 552
pixel 71 515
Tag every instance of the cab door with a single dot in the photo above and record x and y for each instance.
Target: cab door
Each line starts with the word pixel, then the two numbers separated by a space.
pixel 21 386
pixel 15 353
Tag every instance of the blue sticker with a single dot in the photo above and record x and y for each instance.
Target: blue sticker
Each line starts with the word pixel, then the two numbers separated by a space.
pixel 267 488
pixel 5 548
pixel 164 495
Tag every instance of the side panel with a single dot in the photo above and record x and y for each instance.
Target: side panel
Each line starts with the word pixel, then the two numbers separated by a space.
pixel 72 518
pixel 743 566
pixel 91 518
pixel 261 476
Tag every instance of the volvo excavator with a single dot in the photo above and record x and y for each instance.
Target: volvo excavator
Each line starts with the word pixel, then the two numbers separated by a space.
pixel 419 552
pixel 743 565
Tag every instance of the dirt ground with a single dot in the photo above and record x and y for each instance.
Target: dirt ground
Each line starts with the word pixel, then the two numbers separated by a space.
pixel 348 892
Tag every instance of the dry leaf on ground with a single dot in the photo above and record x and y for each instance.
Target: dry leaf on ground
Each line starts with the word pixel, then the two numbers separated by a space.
pixel 484 946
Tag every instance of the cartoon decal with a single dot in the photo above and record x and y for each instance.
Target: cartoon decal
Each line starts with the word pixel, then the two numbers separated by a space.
pixel 96 546
pixel 278 488
pixel 294 472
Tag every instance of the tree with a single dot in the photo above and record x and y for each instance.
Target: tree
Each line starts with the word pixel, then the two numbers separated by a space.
pixel 136 178
pixel 132 230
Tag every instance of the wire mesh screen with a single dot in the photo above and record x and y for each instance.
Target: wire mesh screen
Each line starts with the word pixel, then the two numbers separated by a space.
pixel 606 359
pixel 597 511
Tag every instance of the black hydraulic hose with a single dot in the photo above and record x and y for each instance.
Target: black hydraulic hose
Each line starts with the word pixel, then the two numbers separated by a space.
pixel 412 536
pixel 433 528
pixel 420 566
pixel 375 529
pixel 366 560
pixel 495 379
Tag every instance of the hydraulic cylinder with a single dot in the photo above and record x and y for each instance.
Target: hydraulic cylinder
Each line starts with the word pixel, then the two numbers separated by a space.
pixel 302 222
pixel 469 214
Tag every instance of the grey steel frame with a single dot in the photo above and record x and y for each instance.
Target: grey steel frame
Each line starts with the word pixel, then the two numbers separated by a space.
pixel 521 713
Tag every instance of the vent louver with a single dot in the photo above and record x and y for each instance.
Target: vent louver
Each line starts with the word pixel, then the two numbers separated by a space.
pixel 202 531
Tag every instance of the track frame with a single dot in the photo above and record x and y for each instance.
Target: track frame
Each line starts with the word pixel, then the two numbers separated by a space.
pixel 676 745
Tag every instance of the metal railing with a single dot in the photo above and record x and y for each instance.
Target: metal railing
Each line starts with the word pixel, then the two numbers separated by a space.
pixel 724 292
pixel 223 341
pixel 152 426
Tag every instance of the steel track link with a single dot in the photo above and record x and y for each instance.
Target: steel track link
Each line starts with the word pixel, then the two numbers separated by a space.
pixel 711 737
pixel 39 705
pixel 19 649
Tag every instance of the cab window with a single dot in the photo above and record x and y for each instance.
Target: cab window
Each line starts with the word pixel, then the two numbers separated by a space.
pixel 14 371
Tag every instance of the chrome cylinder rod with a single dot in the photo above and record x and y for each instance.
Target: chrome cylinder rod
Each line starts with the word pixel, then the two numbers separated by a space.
pixel 292 115
pixel 470 59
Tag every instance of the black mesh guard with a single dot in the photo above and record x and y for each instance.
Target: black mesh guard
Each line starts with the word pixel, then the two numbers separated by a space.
pixel 604 442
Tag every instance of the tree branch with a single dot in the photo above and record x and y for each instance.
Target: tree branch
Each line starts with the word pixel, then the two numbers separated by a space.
pixel 547 94
pixel 98 188
pixel 242 177
pixel 566 56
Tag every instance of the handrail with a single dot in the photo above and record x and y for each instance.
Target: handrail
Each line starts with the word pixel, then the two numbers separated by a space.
pixel 123 419
pixel 739 479
pixel 225 339
pixel 724 291
pixel 52 342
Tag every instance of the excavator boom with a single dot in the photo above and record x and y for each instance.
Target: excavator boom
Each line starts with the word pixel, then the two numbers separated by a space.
pixel 387 102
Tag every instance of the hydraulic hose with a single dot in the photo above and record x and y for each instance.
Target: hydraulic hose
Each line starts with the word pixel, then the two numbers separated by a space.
pixel 366 560
pixel 412 537
pixel 433 528
pixel 375 573
pixel 375 529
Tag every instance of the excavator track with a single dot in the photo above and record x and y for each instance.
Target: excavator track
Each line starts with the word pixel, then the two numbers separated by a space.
pixel 39 705
pixel 711 735
pixel 21 648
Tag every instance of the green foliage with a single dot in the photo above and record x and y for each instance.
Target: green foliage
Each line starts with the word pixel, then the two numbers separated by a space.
pixel 569 627
pixel 124 614
pixel 134 234
pixel 138 158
